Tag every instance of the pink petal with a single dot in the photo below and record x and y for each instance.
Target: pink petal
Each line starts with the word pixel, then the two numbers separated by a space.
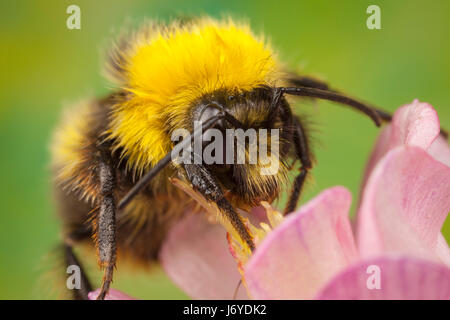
pixel 440 150
pixel 442 250
pixel 400 279
pixel 306 250
pixel 404 205
pixel 415 124
pixel 112 295
pixel 196 257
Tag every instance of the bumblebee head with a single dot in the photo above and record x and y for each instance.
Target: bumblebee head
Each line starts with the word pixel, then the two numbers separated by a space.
pixel 248 148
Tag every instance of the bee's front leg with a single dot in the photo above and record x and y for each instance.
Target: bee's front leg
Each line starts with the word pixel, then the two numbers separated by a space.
pixel 106 222
pixel 203 181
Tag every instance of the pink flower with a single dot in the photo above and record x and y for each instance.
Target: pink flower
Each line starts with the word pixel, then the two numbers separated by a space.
pixel 314 253
pixel 396 251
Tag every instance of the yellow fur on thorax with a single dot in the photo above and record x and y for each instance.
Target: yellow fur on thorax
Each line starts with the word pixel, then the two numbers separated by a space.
pixel 166 69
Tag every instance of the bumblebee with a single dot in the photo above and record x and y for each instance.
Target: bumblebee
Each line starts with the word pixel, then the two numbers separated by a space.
pixel 111 157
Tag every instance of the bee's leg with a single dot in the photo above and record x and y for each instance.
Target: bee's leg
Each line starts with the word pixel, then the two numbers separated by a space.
pixel 106 223
pixel 72 260
pixel 203 181
pixel 304 155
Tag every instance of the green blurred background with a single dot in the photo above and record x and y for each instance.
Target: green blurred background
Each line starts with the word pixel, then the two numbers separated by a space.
pixel 44 66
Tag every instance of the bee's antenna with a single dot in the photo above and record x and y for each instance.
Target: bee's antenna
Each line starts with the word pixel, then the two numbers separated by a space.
pixel 336 97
